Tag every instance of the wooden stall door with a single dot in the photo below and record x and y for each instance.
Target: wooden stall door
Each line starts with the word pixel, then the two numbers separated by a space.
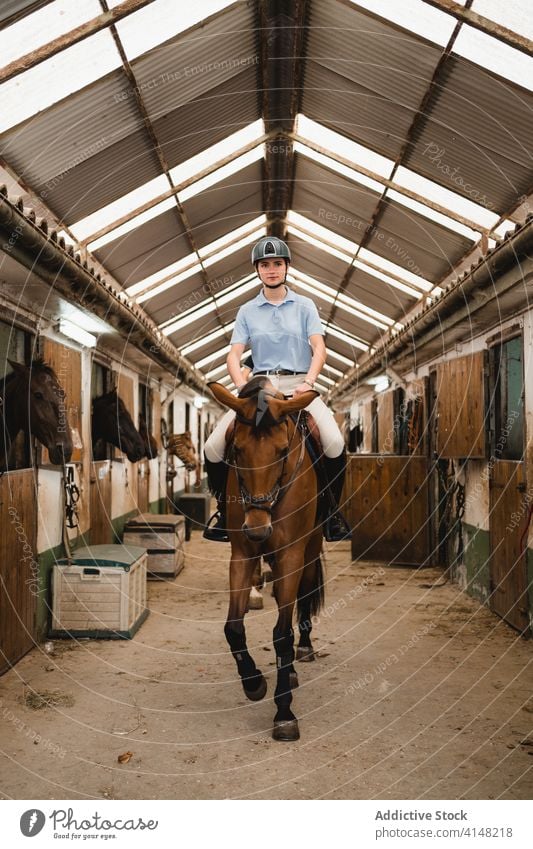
pixel 508 560
pixel 18 566
pixel 388 508
pixel 143 473
pixel 461 407
pixel 67 365
pixel 101 527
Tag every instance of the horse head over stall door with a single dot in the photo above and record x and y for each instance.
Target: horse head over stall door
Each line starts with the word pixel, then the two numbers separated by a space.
pixel 271 499
pixel 112 423
pixel 33 401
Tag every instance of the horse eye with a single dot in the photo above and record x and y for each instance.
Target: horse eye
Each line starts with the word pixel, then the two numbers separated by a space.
pixel 38 395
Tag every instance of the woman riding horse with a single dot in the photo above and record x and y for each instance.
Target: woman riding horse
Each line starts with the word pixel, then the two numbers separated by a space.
pixel 286 336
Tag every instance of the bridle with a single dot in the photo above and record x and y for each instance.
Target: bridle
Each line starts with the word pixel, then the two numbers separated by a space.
pixel 269 500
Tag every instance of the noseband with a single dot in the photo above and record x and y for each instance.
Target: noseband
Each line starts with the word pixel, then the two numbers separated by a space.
pixel 269 500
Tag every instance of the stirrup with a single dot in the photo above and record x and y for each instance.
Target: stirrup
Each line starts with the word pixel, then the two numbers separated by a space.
pixel 336 528
pixel 216 532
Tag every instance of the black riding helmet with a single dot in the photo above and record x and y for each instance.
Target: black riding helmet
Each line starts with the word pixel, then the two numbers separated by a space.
pixel 270 247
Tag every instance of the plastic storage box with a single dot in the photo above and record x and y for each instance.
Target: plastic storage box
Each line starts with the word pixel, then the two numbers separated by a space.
pixel 162 536
pixel 101 593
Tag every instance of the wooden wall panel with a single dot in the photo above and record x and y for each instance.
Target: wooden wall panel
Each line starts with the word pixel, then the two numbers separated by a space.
pixel 368 426
pixel 156 416
pixel 18 566
pixel 385 409
pixel 67 365
pixel 508 515
pixel 125 392
pixel 143 474
pixel 101 527
pixel 461 423
pixel 388 508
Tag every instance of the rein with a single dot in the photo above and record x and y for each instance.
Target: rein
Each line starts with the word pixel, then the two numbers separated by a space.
pixel 269 500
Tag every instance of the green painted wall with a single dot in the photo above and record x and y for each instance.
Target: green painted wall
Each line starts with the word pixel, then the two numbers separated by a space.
pixel 476 569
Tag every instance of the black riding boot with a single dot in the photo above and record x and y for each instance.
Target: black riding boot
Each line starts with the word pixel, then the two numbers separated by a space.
pixel 335 526
pixel 217 475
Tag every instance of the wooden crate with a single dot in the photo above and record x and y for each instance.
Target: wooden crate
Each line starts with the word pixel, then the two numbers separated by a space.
pixel 162 536
pixel 101 594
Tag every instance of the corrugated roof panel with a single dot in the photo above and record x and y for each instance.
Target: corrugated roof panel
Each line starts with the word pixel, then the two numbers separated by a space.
pixel 83 152
pixel 378 295
pixel 145 250
pixel 176 300
pixel 316 262
pixel 416 243
pixel 477 136
pixel 227 205
pixel 202 122
pixel 332 200
pixel 364 77
pixel 191 65
pixel 17 9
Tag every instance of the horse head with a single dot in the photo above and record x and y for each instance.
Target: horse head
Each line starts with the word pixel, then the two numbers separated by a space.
pixel 34 400
pixel 261 447
pixel 182 446
pixel 112 423
pixel 151 449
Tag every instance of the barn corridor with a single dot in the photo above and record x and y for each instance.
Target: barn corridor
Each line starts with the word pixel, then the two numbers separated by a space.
pixel 419 692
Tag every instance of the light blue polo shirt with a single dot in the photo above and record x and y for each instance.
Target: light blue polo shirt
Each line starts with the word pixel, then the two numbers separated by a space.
pixel 278 334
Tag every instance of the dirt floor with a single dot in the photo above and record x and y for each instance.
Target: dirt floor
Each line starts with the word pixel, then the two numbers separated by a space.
pixel 419 692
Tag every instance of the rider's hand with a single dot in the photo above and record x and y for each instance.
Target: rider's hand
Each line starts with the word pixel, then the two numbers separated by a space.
pixel 301 388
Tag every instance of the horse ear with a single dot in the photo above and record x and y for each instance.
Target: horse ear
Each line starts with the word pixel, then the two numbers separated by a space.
pixel 285 407
pixel 18 368
pixel 226 397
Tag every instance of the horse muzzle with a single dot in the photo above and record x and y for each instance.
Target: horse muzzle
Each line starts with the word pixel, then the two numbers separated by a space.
pixel 60 453
pixel 257 533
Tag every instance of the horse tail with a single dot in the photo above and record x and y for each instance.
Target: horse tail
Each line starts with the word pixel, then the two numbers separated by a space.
pixel 310 599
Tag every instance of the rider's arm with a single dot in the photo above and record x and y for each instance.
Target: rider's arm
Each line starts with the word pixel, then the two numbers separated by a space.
pixel 233 362
pixel 316 341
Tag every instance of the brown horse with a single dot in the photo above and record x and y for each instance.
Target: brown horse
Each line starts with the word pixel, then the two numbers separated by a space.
pixel 112 423
pixel 181 446
pixel 272 510
pixel 32 400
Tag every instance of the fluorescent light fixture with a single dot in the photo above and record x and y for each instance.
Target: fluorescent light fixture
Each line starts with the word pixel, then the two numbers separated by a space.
pixel 84 320
pixel 199 401
pixel 78 334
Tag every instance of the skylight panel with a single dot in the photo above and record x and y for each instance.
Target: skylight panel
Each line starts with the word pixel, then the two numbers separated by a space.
pixel 341 296
pixel 317 243
pixel 161 20
pixel 515 16
pixel 240 287
pixel 416 16
pixel 161 275
pixel 390 281
pixel 343 146
pixel 432 215
pixel 231 249
pixel 133 223
pixel 340 357
pixel 249 229
pixel 337 372
pixel 333 165
pixel 216 152
pixel 45 25
pixel 398 270
pixel 330 298
pixel 205 340
pixel 494 55
pixel 37 88
pixel 211 357
pixel 146 296
pixel 504 228
pixel 443 196
pixel 94 222
pixel 346 337
pixel 223 172
pixel 323 233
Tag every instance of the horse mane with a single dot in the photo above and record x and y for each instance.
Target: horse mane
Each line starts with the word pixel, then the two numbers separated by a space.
pixel 252 390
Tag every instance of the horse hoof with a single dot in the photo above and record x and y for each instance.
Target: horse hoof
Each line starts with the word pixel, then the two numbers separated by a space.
pixel 293 680
pixel 257 694
pixel 255 601
pixel 305 654
pixel 286 730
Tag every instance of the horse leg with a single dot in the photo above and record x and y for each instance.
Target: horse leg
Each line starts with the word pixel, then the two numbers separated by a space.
pixel 310 597
pixel 285 723
pixel 255 602
pixel 253 682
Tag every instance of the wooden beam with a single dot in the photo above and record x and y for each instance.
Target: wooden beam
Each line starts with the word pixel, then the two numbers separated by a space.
pixel 35 57
pixel 480 22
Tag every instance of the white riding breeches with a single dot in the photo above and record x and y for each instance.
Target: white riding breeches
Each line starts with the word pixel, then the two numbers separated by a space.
pixel 330 435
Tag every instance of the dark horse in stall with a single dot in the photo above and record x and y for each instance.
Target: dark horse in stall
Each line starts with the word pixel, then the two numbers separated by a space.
pixel 112 423
pixel 33 401
pixel 271 498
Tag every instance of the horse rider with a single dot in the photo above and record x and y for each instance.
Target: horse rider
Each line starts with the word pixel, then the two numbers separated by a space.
pixel 284 331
